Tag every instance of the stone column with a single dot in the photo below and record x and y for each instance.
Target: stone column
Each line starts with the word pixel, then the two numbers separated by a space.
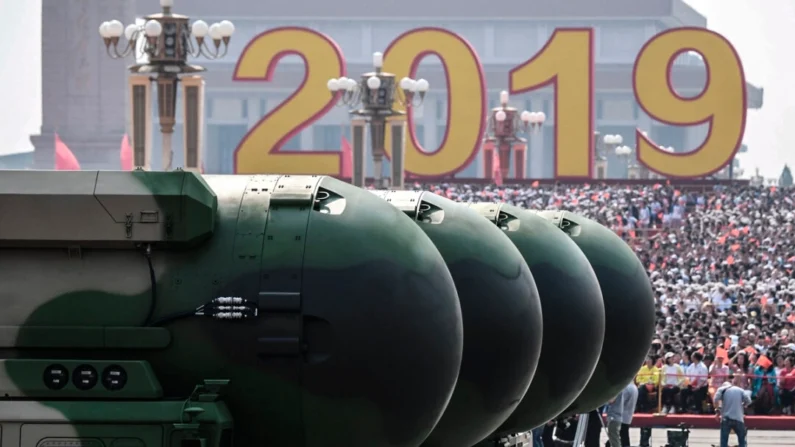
pixel 398 152
pixel 358 134
pixel 83 90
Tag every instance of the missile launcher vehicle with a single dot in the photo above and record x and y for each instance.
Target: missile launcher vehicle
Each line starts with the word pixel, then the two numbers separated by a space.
pixel 169 309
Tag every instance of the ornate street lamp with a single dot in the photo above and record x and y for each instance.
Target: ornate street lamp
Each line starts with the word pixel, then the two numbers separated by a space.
pixel 602 146
pixel 373 98
pixel 504 125
pixel 624 153
pixel 166 40
pixel 610 142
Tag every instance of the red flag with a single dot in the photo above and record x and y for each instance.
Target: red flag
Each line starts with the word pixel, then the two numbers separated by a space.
pixel 64 158
pixel 495 166
pixel 126 154
pixel 346 168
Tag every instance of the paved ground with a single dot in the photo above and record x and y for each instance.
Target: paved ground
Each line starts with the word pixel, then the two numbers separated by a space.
pixel 706 438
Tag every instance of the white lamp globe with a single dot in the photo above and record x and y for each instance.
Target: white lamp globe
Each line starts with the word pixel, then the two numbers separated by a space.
pixel 350 84
pixel 500 116
pixel 199 29
pixel 129 32
pixel 115 28
pixel 373 82
pixel 215 31
pixel 526 116
pixel 103 30
pixel 153 28
pixel 227 28
pixel 422 86
pixel 407 83
pixel 378 59
pixel 333 85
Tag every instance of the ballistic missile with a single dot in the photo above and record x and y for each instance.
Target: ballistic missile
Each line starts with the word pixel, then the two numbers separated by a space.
pixel 275 310
pixel 628 303
pixel 573 313
pixel 501 311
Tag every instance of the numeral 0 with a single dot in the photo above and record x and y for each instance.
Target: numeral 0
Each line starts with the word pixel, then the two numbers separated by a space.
pixel 566 62
pixel 466 98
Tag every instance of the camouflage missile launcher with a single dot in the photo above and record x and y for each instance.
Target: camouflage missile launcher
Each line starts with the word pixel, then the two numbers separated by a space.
pixel 501 312
pixel 573 310
pixel 628 302
pixel 169 309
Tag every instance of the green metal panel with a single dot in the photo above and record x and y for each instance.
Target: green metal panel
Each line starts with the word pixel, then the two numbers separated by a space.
pixel 139 380
pixel 108 209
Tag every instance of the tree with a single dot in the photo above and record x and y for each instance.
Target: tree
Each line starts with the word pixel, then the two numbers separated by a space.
pixel 786 177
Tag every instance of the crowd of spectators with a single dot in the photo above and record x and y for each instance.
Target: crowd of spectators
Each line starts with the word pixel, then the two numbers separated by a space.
pixel 720 259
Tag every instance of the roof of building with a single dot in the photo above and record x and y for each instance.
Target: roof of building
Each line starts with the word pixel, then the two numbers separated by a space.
pixel 21 160
pixel 673 12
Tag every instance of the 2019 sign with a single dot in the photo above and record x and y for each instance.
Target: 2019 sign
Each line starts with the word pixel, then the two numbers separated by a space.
pixel 566 62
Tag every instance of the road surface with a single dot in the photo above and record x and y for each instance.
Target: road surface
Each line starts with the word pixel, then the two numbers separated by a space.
pixel 706 438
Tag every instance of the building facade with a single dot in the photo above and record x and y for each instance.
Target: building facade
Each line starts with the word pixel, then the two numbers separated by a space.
pixel 503 37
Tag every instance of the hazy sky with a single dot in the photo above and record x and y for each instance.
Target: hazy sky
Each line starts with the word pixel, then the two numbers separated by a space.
pixel 758 29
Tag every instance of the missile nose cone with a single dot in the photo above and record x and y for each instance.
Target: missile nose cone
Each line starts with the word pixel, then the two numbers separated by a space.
pixel 628 302
pixel 385 351
pixel 573 313
pixel 501 312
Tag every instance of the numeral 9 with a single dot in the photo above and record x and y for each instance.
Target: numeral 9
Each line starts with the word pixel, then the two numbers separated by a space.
pixel 722 103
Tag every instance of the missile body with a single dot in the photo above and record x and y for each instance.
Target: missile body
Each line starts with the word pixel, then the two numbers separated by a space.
pixel 330 312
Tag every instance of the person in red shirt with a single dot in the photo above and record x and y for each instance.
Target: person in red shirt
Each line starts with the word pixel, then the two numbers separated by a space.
pixel 786 385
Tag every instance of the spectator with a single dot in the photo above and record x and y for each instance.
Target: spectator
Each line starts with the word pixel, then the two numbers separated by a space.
pixel 787 385
pixel 730 402
pixel 695 393
pixel 647 379
pixel 672 376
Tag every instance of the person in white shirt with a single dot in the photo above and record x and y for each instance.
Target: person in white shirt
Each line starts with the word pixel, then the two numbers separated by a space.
pixel 718 372
pixel 698 386
pixel 671 376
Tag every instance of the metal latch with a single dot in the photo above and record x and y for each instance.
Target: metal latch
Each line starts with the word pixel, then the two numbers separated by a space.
pixel 128 224
pixel 75 252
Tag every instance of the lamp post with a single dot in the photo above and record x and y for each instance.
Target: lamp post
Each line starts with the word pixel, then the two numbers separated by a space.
pixel 601 148
pixel 373 99
pixel 503 128
pixel 624 153
pixel 166 40
pixel 612 142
